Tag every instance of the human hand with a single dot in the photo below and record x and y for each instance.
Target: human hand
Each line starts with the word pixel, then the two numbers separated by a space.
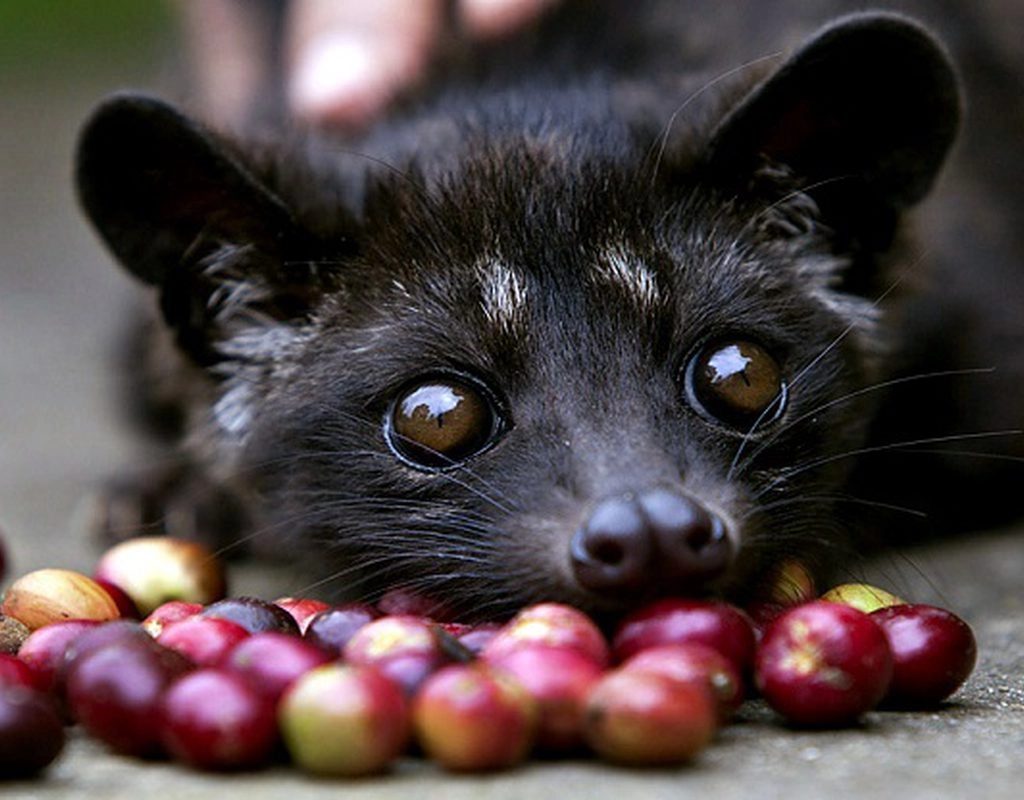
pixel 348 59
pixel 344 61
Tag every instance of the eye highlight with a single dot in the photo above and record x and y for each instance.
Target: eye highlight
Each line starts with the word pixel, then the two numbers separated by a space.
pixel 440 421
pixel 737 382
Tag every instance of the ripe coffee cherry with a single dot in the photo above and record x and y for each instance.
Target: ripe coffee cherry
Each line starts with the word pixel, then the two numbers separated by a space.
pixel 272 662
pixel 476 639
pixel 167 614
pixel 552 625
pixel 559 682
pixel 933 653
pixel 302 609
pixel 44 649
pixel 115 692
pixel 823 664
pixel 405 649
pixel 205 641
pixel 642 718
pixel 31 733
pixel 469 718
pixel 406 603
pixel 677 620
pixel 694 663
pixel 125 605
pixel 15 673
pixel 213 719
pixel 253 614
pixel 332 628
pixel 118 630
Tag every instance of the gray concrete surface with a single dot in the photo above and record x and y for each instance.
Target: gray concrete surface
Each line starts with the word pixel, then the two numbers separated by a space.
pixel 60 307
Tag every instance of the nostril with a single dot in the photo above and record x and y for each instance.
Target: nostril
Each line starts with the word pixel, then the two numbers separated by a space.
pixel 698 538
pixel 612 550
pixel 608 552
pixel 692 543
pixel 702 537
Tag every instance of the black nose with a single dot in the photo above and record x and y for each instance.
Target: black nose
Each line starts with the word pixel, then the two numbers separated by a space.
pixel 657 540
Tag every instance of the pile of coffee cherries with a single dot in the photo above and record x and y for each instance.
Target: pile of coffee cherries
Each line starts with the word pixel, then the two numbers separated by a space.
pixel 149 657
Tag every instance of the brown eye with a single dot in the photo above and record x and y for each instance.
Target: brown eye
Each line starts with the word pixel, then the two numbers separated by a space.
pixel 738 382
pixel 441 421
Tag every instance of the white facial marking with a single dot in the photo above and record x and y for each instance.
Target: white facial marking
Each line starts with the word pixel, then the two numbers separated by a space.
pixel 625 272
pixel 504 294
pixel 233 411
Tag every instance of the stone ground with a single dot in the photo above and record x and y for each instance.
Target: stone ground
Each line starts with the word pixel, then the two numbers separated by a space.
pixel 61 305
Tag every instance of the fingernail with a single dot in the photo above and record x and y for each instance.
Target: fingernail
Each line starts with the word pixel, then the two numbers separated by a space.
pixel 339 79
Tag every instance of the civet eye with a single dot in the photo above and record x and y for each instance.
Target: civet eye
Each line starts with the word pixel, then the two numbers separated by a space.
pixel 738 382
pixel 440 421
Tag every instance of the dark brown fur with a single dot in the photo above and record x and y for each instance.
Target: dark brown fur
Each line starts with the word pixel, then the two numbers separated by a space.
pixel 305 282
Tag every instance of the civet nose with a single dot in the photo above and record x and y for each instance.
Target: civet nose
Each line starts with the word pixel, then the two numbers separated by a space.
pixel 691 542
pixel 656 540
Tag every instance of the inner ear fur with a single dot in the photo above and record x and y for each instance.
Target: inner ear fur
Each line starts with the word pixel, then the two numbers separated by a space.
pixel 154 183
pixel 869 106
pixel 181 211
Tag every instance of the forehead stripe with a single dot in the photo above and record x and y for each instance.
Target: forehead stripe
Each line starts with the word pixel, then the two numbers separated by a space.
pixel 630 275
pixel 504 294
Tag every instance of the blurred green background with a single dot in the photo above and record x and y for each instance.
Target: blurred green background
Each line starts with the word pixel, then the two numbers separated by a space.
pixel 54 33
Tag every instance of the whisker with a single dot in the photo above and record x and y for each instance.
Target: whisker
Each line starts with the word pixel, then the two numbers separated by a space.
pixel 854 395
pixel 972 454
pixel 884 448
pixel 839 498
pixel 663 139
pixel 803 372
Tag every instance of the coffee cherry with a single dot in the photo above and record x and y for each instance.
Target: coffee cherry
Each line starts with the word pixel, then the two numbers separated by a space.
pixel 331 629
pixel 271 662
pixel 253 614
pixel 559 682
pixel 155 569
pixel 31 733
pixel 823 664
pixel 762 615
pixel 115 691
pixel 469 718
pixel 476 639
pixel 406 603
pixel 642 718
pixel 693 663
pixel 44 649
pixel 681 621
pixel 47 596
pixel 862 596
pixel 933 653
pixel 405 649
pixel 791 584
pixel 125 605
pixel 212 719
pixel 118 630
pixel 15 673
pixel 167 614
pixel 553 625
pixel 344 720
pixel 205 641
pixel 302 609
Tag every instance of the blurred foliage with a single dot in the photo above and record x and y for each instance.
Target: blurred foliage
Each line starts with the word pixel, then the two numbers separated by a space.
pixel 59 33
